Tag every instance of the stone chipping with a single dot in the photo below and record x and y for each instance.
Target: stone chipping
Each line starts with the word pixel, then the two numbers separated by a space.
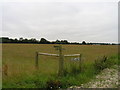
pixel 108 78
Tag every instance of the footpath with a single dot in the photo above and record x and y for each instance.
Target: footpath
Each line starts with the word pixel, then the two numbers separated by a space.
pixel 108 78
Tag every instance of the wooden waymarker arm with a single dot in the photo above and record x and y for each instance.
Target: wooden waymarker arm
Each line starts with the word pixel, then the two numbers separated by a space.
pixel 48 54
pixel 72 55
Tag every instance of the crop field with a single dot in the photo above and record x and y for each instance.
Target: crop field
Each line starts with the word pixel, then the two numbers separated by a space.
pixel 20 60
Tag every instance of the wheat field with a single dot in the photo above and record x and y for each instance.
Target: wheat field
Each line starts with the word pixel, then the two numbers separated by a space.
pixel 20 58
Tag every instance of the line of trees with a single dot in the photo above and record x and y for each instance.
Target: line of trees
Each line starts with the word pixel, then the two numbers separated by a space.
pixel 32 40
pixel 44 41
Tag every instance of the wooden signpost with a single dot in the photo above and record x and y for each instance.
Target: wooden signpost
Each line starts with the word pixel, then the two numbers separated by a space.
pixel 61 58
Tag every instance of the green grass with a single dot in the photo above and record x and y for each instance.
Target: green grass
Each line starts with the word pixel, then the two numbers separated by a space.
pixel 39 81
pixel 20 59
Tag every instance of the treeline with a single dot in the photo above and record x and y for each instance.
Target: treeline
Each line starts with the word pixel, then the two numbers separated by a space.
pixel 32 40
pixel 44 41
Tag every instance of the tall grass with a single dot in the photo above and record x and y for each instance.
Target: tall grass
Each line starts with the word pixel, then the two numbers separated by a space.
pixel 21 67
pixel 38 80
pixel 76 77
pixel 105 62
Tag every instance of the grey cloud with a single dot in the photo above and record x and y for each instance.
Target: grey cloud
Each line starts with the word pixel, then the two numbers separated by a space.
pixel 72 21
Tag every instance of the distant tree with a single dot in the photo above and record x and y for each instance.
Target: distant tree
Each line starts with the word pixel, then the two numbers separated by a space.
pixel 33 40
pixel 15 40
pixel 57 42
pixel 53 42
pixel 20 40
pixel 25 40
pixel 0 40
pixel 11 40
pixel 76 43
pixel 64 42
pixel 84 43
pixel 5 40
pixel 44 41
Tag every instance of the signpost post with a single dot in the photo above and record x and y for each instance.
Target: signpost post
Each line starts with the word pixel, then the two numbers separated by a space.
pixel 61 59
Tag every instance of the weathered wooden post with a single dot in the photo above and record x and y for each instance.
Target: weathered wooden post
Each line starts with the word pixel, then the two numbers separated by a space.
pixel 36 60
pixel 80 62
pixel 61 59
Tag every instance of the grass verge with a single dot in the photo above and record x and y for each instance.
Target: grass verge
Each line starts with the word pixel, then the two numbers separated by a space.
pixel 73 77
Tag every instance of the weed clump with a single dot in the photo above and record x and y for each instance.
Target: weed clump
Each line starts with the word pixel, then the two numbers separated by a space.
pixel 103 63
pixel 100 64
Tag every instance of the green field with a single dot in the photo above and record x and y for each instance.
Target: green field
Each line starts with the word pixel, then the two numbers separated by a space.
pixel 20 59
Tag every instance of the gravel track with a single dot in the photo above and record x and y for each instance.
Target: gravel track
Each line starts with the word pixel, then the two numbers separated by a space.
pixel 108 78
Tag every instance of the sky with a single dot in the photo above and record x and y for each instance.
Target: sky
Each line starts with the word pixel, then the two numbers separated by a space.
pixel 72 21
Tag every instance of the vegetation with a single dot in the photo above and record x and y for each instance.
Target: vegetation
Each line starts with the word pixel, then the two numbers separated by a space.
pixel 104 62
pixel 20 60
pixel 44 41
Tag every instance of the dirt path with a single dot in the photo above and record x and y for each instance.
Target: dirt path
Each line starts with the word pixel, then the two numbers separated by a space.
pixel 108 78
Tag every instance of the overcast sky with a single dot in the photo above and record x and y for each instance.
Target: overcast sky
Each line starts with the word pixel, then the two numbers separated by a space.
pixel 72 21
